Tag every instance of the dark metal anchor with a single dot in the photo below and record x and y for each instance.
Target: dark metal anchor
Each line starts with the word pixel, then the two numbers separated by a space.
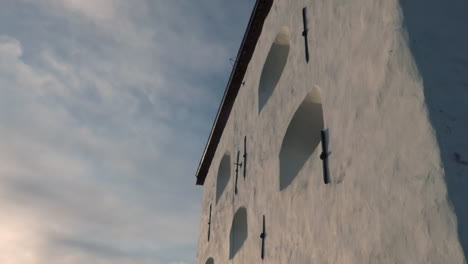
pixel 245 156
pixel 324 156
pixel 262 236
pixel 237 171
pixel 209 225
pixel 305 33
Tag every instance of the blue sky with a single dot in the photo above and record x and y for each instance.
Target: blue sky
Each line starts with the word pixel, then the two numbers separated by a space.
pixel 105 108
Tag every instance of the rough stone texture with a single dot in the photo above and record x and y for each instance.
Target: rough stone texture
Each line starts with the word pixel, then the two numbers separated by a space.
pixel 393 77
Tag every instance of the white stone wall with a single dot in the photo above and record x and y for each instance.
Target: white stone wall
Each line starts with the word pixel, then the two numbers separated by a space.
pixel 387 202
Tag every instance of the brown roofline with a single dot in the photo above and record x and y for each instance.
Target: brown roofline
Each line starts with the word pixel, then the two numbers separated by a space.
pixel 247 48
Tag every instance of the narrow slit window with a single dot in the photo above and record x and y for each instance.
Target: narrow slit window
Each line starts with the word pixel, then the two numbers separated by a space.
pixel 273 67
pixel 302 137
pixel 224 174
pixel 239 232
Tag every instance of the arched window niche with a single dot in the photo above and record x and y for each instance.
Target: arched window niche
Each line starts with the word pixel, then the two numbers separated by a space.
pixel 273 67
pixel 238 233
pixel 224 174
pixel 302 137
pixel 210 261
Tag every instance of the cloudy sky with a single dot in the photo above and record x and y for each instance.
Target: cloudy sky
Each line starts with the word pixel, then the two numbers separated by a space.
pixel 105 108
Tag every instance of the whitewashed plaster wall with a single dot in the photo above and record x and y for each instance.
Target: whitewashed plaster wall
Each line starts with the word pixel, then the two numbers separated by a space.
pixel 388 199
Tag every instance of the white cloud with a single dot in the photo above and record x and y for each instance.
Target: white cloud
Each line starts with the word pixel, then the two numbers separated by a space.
pixel 95 9
pixel 20 242
pixel 103 116
pixel 10 47
pixel 62 170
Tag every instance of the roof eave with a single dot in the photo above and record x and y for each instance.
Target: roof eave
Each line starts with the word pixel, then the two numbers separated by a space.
pixel 247 48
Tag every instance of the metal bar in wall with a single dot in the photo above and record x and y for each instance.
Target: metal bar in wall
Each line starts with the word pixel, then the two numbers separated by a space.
pixel 305 33
pixel 324 156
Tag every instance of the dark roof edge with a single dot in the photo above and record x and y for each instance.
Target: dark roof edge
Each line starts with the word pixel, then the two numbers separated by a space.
pixel 247 48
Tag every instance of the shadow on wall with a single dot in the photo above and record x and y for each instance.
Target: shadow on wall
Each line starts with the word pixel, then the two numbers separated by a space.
pixel 273 67
pixel 224 173
pixel 238 233
pixel 438 37
pixel 302 137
